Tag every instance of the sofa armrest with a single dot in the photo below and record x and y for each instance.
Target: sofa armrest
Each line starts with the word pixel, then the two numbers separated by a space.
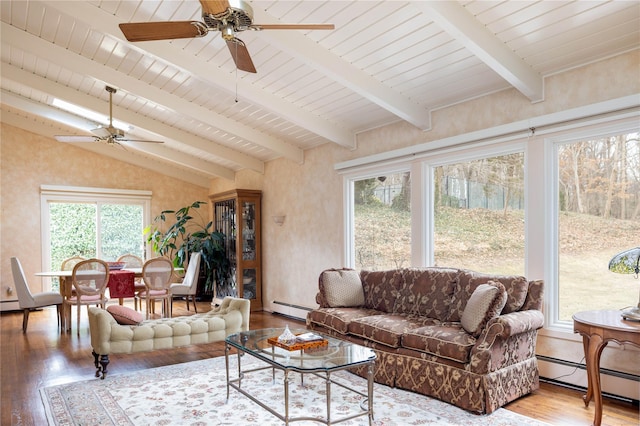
pixel 100 324
pixel 506 340
pixel 235 304
pixel 512 324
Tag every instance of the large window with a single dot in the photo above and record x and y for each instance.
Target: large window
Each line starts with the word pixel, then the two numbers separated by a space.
pixel 92 222
pixel 598 216
pixel 93 229
pixel 479 214
pixel 580 178
pixel 382 221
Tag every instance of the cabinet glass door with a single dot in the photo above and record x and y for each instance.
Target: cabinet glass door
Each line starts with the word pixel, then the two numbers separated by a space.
pixel 225 222
pixel 249 283
pixel 248 230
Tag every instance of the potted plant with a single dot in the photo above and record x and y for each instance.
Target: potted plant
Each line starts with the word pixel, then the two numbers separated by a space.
pixel 176 234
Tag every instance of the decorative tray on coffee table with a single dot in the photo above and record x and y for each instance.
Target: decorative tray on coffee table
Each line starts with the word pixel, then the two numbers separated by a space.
pixel 303 341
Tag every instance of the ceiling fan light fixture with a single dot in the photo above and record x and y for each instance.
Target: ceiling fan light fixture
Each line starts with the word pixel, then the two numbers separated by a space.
pixel 227 32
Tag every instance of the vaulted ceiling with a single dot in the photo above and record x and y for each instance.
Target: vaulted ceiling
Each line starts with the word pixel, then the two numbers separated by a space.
pixel 385 61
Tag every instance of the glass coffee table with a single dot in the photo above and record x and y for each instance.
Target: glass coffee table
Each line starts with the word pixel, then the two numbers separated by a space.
pixel 322 361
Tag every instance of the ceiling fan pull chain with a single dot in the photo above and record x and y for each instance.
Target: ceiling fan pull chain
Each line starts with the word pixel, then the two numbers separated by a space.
pixel 236 46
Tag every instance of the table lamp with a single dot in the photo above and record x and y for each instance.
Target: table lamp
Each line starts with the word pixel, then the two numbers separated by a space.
pixel 628 262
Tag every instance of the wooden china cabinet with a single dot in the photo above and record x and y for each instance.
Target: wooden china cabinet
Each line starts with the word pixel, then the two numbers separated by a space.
pixel 237 215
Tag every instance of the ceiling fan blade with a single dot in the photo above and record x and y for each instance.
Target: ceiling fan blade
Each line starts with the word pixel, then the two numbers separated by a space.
pixel 74 138
pixel 214 7
pixel 146 31
pixel 101 132
pixel 293 27
pixel 136 140
pixel 241 55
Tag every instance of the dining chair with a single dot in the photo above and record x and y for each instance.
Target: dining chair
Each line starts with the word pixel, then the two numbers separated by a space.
pixel 189 284
pixel 28 301
pixel 156 274
pixel 89 279
pixel 133 261
pixel 67 265
pixel 70 262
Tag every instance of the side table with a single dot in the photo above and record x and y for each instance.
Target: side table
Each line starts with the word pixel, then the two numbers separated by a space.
pixel 598 328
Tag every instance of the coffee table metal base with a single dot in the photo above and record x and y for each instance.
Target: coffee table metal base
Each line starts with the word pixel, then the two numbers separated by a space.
pixel 326 375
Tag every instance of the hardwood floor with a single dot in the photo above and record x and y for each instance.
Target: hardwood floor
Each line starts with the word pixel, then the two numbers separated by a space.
pixel 45 357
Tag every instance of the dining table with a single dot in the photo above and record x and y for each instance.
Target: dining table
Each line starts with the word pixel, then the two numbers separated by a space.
pixel 121 285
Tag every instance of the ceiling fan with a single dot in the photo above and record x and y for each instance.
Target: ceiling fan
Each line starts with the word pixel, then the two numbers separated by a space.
pixel 111 135
pixel 226 16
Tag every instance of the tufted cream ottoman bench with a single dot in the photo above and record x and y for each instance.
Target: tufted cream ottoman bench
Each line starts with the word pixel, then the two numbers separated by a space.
pixel 110 337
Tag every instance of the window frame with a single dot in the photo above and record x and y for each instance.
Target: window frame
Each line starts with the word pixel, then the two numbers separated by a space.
pixel 74 194
pixel 551 146
pixel 537 134
pixel 349 206
pixel 541 198
pixel 476 152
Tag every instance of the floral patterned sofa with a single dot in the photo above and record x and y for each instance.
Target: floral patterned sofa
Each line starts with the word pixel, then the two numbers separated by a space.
pixel 461 336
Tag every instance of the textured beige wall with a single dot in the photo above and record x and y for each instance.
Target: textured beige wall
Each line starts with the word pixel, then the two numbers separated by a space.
pixel 29 160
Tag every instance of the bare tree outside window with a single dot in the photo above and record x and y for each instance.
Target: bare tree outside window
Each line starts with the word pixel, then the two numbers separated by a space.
pixel 382 222
pixel 479 214
pixel 599 216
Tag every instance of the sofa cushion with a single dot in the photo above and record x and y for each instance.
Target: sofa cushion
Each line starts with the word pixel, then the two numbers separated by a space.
pixel 485 303
pixel 388 328
pixel 427 292
pixel 342 288
pixel 338 319
pixel 516 287
pixel 124 315
pixel 381 289
pixel 448 340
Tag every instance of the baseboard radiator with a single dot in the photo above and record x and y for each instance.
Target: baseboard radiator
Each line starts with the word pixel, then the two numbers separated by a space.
pixel 290 310
pixel 615 384
pixel 9 305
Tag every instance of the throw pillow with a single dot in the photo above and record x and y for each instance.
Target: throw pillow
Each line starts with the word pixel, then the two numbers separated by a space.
pixel 485 303
pixel 124 315
pixel 343 288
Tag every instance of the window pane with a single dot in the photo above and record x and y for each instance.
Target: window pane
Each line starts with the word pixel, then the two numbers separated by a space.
pixel 479 215
pixel 382 222
pixel 599 216
pixel 73 233
pixel 121 227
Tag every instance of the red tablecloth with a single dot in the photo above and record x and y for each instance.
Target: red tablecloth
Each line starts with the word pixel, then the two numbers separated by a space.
pixel 121 284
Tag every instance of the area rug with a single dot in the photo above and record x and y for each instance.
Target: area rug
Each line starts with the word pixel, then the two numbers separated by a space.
pixel 195 393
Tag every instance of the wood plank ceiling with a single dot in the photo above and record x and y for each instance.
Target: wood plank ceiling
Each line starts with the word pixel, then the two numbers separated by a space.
pixel 385 61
